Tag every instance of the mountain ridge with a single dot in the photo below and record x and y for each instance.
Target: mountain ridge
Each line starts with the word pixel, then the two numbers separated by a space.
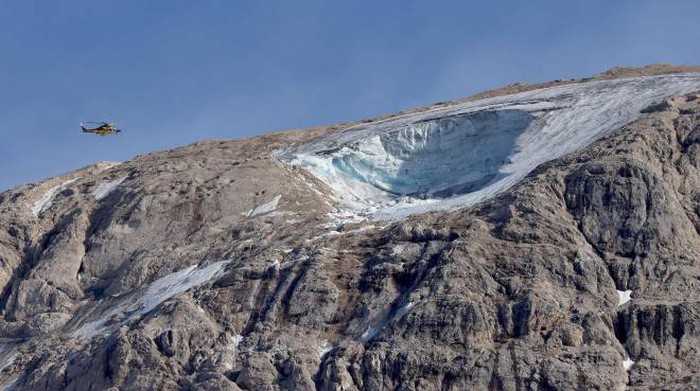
pixel 218 266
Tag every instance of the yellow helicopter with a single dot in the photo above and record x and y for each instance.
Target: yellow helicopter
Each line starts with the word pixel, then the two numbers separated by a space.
pixel 103 129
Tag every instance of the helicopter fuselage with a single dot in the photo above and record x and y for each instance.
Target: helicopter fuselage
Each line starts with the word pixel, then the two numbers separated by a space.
pixel 102 130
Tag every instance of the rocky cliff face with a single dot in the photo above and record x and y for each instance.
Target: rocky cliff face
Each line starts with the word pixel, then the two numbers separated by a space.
pixel 245 265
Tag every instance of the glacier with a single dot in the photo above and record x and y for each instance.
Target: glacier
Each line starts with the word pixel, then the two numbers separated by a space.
pixel 451 157
pixel 436 158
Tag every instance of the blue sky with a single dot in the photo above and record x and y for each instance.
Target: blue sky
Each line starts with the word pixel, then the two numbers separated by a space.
pixel 171 72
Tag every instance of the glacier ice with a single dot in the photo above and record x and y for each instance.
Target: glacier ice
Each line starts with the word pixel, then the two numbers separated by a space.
pixel 438 158
pixel 46 201
pixel 454 156
pixel 105 188
pixel 145 300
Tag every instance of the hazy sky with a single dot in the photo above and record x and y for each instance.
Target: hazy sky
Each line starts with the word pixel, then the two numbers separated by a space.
pixel 171 72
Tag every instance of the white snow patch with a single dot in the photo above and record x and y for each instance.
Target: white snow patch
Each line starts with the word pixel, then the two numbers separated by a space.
pixel 328 234
pixel 371 331
pixel 404 310
pixel 451 157
pixel 237 339
pixel 264 208
pixel 105 188
pixel 46 200
pixel 339 218
pixel 347 216
pixel 323 348
pixel 627 363
pixel 230 362
pixel 144 301
pixel 625 296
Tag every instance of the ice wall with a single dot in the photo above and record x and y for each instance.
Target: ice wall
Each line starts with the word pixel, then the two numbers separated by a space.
pixel 438 158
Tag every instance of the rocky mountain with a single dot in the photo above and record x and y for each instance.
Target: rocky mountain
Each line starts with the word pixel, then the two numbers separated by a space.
pixel 535 237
